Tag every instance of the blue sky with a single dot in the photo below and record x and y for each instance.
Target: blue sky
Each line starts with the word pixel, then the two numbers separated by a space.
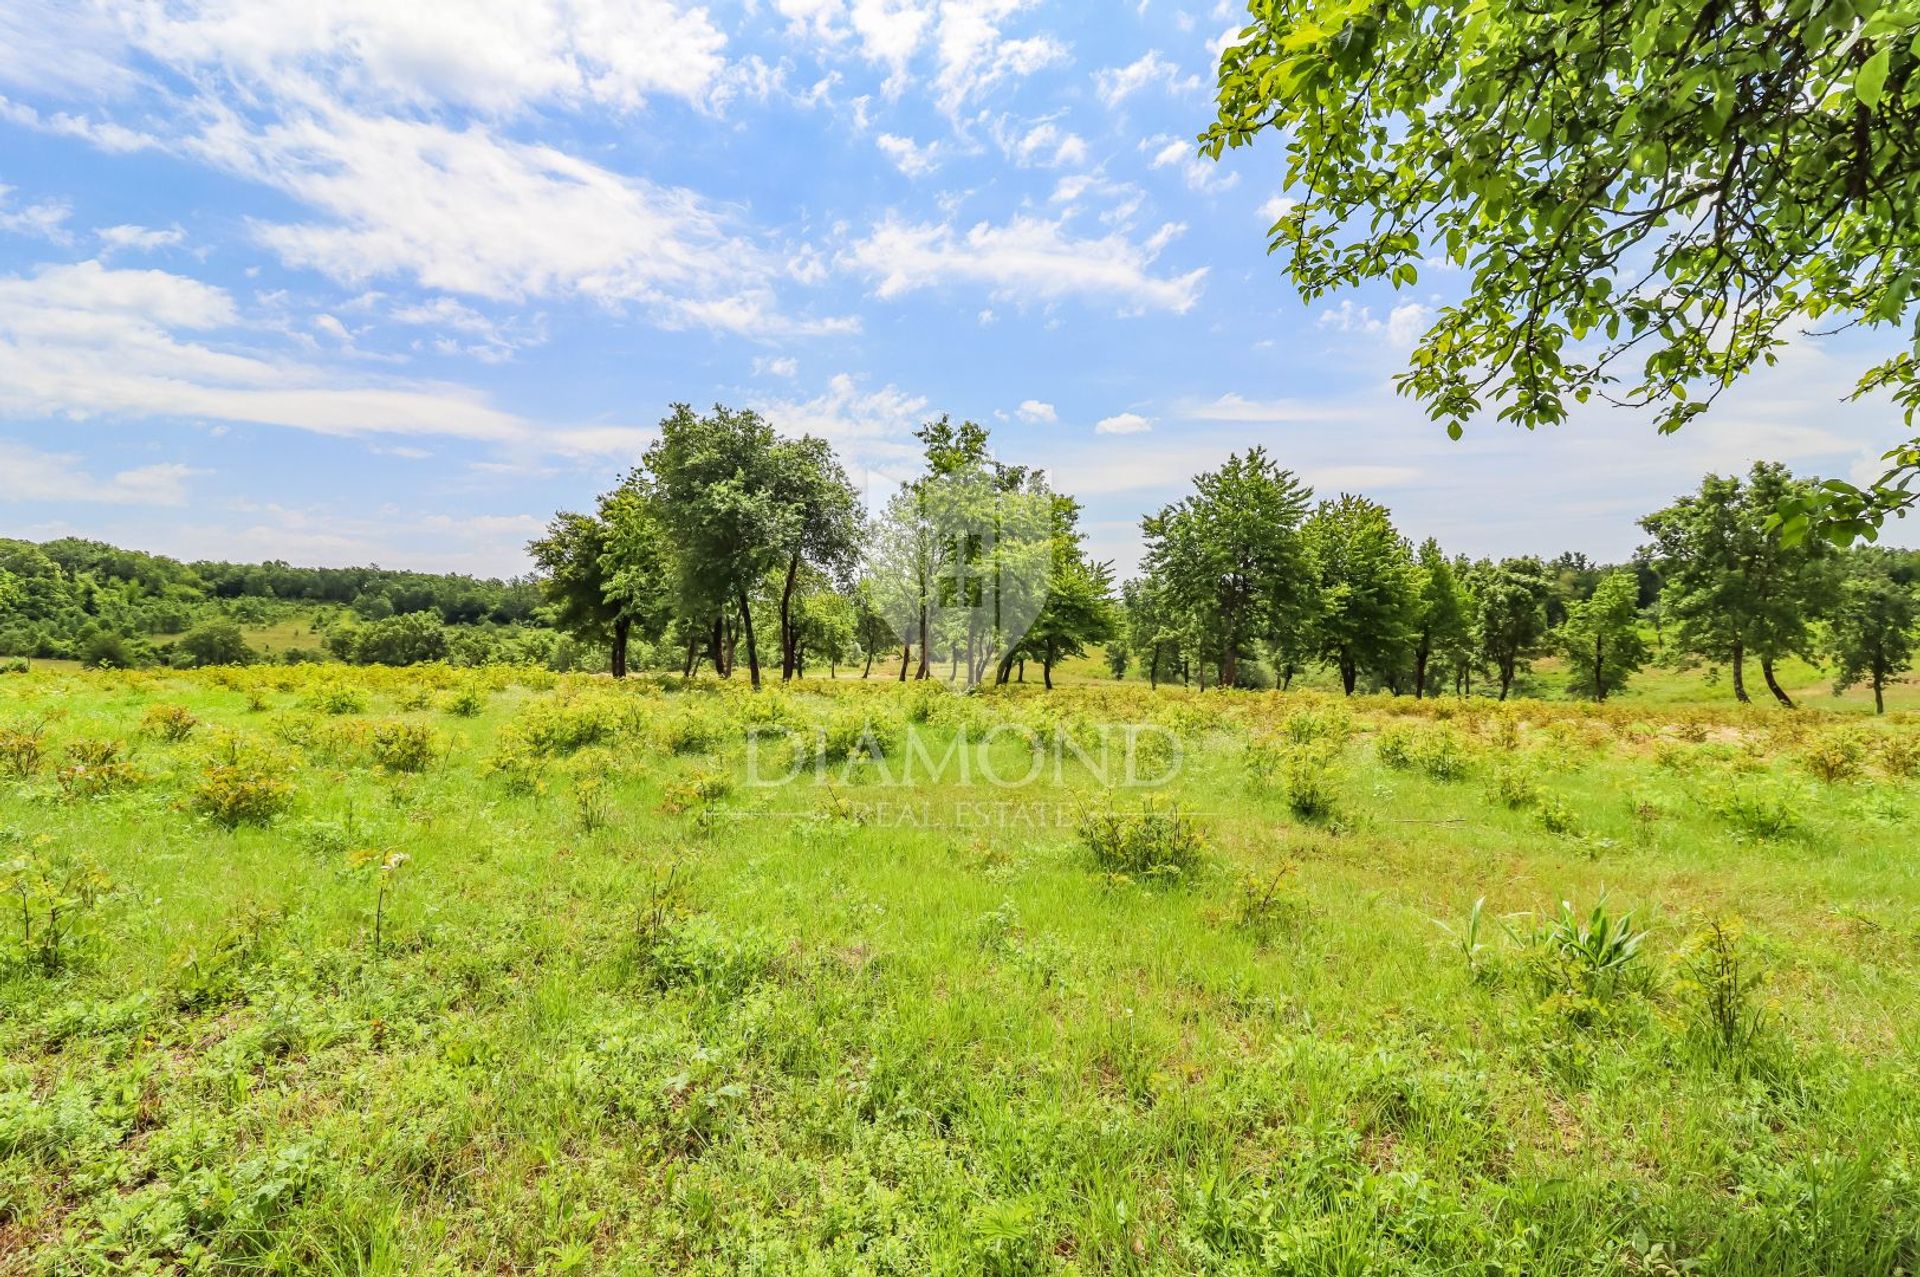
pixel 357 280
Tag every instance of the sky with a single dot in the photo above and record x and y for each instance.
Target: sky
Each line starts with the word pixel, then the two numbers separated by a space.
pixel 366 281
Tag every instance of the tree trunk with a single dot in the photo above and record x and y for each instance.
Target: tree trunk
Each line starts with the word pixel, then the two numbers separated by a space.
pixel 1153 670
pixel 1506 679
pixel 1046 665
pixel 788 660
pixel 1773 684
pixel 1599 670
pixel 1421 655
pixel 720 663
pixel 622 628
pixel 753 651
pixel 692 646
pixel 906 654
pixel 1740 674
pixel 865 672
pixel 1879 700
pixel 925 638
pixel 1004 670
pixel 1349 674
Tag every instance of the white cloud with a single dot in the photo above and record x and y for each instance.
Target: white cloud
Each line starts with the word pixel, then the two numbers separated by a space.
pixel 777 366
pixel 867 427
pixel 85 340
pixel 1028 259
pixel 464 211
pixel 496 57
pixel 29 475
pixel 46 219
pixel 140 238
pixel 1199 173
pixel 1045 144
pixel 907 155
pixel 1231 407
pixel 1124 423
pixel 1402 326
pixel 1277 207
pixel 1116 84
pixel 973 56
pixel 1035 410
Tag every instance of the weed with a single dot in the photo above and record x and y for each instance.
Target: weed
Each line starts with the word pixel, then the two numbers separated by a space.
pixel 1757 809
pixel 1269 904
pixel 22 749
pixel 1394 747
pixel 1835 757
pixel 1149 841
pixel 1556 815
pixel 1582 962
pixel 1467 938
pixel 404 747
pixel 335 698
pixel 1722 982
pixel 1899 754
pixel 1512 786
pixel 95 768
pixel 56 892
pixel 383 868
pixel 169 723
pixel 466 702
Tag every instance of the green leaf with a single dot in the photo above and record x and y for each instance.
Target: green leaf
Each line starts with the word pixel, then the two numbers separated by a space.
pixel 1872 78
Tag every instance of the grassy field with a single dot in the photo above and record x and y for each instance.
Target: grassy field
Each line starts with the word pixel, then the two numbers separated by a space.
pixel 366 971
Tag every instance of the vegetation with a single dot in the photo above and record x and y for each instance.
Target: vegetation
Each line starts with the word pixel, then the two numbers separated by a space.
pixel 302 990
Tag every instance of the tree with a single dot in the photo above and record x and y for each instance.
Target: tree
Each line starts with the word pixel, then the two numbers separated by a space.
pixel 1443 630
pixel 1366 589
pixel 720 490
pixel 823 526
pixel 1601 637
pixel 1229 561
pixel 1079 607
pixel 636 566
pixel 572 558
pixel 215 643
pixel 1734 585
pixel 1511 615
pixel 1676 182
pixel 1871 636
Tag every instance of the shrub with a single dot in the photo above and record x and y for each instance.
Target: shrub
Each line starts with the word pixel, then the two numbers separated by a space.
pixel 214 643
pixel 1899 754
pixel 696 792
pixel 170 723
pixel 94 768
pixel 1835 757
pixel 22 749
pixel 404 747
pixel 1268 904
pixel 1394 747
pixel 1721 983
pixel 1307 774
pixel 563 727
pixel 466 702
pixel 1513 787
pixel 1148 841
pixel 14 665
pixel 52 894
pixel 335 698
pixel 687 732
pixel 243 791
pixel 1556 815
pixel 1440 752
pixel 1328 723
pixel 1757 809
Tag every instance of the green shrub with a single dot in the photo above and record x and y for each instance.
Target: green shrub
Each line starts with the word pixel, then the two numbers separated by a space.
pixel 1394 747
pixel 1319 723
pixel 1512 786
pixel 1757 808
pixel 1835 757
pixel 1556 815
pixel 170 723
pixel 95 768
pixel 1148 841
pixel 1269 904
pixel 1440 753
pixel 1899 754
pixel 404 747
pixel 1583 962
pixel 335 698
pixel 1721 981
pixel 239 793
pixel 52 895
pixel 466 702
pixel 22 749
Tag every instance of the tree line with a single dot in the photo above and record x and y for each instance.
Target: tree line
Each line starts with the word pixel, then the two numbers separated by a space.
pixel 727 536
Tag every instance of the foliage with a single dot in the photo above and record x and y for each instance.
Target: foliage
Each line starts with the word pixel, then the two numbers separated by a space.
pixel 1601 638
pixel 1151 841
pixel 170 723
pixel 1871 635
pixel 56 890
pixel 213 643
pixel 1367 588
pixel 1675 183
pixel 1721 982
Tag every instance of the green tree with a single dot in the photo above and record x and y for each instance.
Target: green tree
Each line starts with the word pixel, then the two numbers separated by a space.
pixel 1871 635
pixel 1079 608
pixel 572 559
pixel 1511 615
pixel 215 643
pixel 1672 184
pixel 1443 630
pixel 1601 637
pixel 1735 587
pixel 1230 562
pixel 1367 590
pixel 823 526
pixel 720 489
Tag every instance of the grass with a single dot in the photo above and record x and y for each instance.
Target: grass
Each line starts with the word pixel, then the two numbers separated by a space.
pixel 631 1012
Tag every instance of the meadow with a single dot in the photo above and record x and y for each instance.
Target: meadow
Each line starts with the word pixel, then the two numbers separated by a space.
pixel 362 970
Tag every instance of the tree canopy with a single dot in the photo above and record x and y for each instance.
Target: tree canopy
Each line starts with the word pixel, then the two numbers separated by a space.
pixel 1648 199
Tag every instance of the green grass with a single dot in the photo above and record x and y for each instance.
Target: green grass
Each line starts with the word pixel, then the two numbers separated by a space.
pixel 632 1013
